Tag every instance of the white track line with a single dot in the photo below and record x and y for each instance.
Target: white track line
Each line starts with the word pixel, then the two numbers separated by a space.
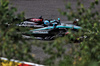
pixel 2 58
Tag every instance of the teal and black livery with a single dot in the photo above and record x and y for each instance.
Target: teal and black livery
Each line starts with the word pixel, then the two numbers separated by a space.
pixel 51 32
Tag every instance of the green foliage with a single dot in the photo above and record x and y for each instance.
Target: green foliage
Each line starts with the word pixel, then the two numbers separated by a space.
pixel 63 51
pixel 84 53
pixel 66 61
pixel 89 21
pixel 12 45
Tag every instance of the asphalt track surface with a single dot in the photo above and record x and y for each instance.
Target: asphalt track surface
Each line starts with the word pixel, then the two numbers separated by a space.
pixel 49 10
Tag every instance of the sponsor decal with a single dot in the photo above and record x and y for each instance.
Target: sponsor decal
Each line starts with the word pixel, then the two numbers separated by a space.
pixel 42 32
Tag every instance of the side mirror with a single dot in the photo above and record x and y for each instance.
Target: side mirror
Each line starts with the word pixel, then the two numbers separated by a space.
pixel 59 21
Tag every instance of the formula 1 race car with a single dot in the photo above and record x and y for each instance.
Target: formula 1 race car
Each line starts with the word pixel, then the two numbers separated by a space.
pixel 51 32
pixel 37 20
pixel 38 24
